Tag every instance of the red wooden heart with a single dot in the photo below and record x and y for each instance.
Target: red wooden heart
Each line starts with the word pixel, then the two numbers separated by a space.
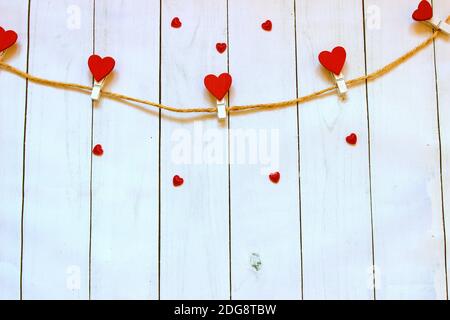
pixel 351 139
pixel 101 67
pixel 7 39
pixel 423 12
pixel 176 23
pixel 98 150
pixel 333 61
pixel 274 177
pixel 267 25
pixel 177 181
pixel 218 86
pixel 221 47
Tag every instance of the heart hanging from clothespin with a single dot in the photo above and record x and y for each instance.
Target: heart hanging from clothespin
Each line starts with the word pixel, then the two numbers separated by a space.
pixel 100 69
pixel 218 87
pixel 334 62
pixel 424 13
pixel 7 40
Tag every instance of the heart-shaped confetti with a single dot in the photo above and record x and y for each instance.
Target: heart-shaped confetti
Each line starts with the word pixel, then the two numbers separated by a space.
pixel 351 139
pixel 221 47
pixel 218 86
pixel 7 39
pixel 333 61
pixel 423 12
pixel 177 181
pixel 274 177
pixel 101 67
pixel 98 150
pixel 176 23
pixel 267 25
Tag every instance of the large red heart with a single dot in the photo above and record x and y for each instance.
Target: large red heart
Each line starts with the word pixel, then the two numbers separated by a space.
pixel 423 12
pixel 218 86
pixel 333 61
pixel 7 39
pixel 101 67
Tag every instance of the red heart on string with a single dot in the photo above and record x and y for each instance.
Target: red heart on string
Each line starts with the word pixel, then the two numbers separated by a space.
pixel 7 39
pixel 333 61
pixel 98 150
pixel 423 12
pixel 176 23
pixel 267 25
pixel 275 177
pixel 221 47
pixel 101 67
pixel 177 181
pixel 351 139
pixel 218 86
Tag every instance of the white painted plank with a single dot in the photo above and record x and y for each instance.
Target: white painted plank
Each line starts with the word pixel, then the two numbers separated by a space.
pixel 56 212
pixel 334 176
pixel 406 190
pixel 125 179
pixel 12 116
pixel 194 217
pixel 442 9
pixel 265 216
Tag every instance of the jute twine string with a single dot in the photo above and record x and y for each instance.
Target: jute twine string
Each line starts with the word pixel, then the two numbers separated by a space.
pixel 117 96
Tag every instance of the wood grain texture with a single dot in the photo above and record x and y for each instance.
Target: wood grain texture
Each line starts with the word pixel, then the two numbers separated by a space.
pixel 58 148
pixel 406 189
pixel 12 111
pixel 194 217
pixel 124 255
pixel 265 216
pixel 334 176
pixel 442 9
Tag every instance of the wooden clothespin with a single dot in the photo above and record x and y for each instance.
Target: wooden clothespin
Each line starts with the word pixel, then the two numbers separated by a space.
pixel 218 87
pixel 100 68
pixel 424 13
pixel 7 40
pixel 334 62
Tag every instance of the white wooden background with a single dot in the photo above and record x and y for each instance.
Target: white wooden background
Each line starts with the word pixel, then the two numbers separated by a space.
pixel 363 222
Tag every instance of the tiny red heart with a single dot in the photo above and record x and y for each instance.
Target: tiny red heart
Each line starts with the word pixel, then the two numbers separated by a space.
pixel 218 86
pixel 423 12
pixel 98 150
pixel 7 39
pixel 221 47
pixel 267 25
pixel 176 23
pixel 274 177
pixel 101 67
pixel 351 139
pixel 333 61
pixel 177 181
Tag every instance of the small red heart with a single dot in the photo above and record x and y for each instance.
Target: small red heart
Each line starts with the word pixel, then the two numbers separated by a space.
pixel 98 150
pixel 176 23
pixel 221 47
pixel 218 86
pixel 7 39
pixel 267 25
pixel 177 181
pixel 351 139
pixel 101 67
pixel 275 177
pixel 333 61
pixel 423 12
